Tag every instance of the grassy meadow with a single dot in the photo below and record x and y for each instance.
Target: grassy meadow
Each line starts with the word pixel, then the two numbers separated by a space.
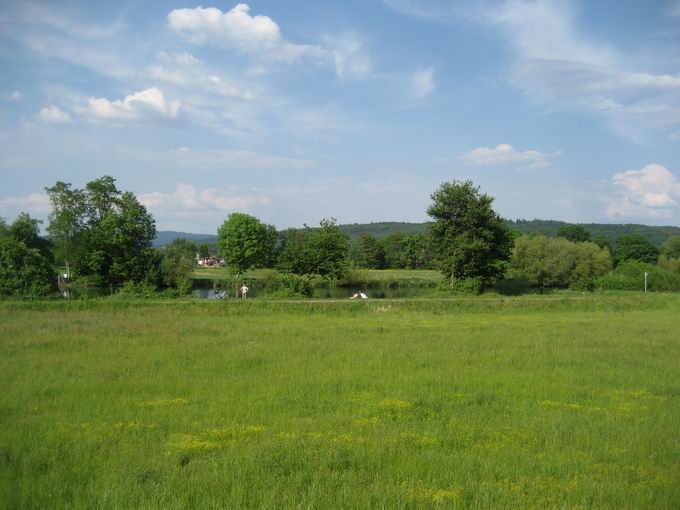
pixel 543 402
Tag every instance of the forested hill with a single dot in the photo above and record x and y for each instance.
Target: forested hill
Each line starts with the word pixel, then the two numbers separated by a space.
pixel 612 231
pixel 164 237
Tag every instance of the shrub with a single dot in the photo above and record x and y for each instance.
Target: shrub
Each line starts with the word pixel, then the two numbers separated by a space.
pixel 546 262
pixel 472 285
pixel 630 275
pixel 289 285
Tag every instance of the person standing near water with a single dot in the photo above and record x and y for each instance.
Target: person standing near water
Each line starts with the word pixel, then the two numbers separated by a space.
pixel 244 291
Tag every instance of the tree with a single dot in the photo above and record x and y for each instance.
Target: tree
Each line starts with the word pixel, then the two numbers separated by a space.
pixel 25 260
pixel 414 255
pixel 549 262
pixel 245 242
pixel 573 233
pixel 393 246
pixel 470 239
pixel 100 232
pixel 603 242
pixel 635 247
pixel 328 250
pixel 67 223
pixel 293 256
pixel 671 248
pixel 203 250
pixel 177 265
pixel 323 251
pixel 26 229
pixel 370 252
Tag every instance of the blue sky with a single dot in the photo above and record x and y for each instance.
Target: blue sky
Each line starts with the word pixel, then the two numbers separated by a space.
pixel 294 111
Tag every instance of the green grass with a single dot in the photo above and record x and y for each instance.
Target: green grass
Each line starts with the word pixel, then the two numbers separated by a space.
pixel 375 276
pixel 558 402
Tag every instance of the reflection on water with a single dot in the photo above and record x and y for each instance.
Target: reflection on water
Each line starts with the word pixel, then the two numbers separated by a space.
pixel 68 292
pixel 205 289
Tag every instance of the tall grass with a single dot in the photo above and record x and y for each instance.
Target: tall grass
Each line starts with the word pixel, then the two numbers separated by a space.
pixel 470 403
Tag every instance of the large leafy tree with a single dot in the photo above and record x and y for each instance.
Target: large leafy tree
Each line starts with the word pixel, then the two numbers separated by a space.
pixel 328 250
pixel 470 239
pixel 323 251
pixel 635 247
pixel 67 224
pixel 245 242
pixel 100 232
pixel 25 260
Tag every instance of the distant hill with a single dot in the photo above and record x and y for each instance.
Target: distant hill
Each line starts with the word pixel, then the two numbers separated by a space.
pixel 164 237
pixel 612 231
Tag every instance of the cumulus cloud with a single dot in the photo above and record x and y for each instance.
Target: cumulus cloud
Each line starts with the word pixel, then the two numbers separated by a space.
pixel 421 82
pixel 145 104
pixel 54 114
pixel 506 155
pixel 651 192
pixel 238 29
pixel 188 198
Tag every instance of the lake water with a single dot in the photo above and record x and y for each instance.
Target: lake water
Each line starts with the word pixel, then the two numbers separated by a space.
pixel 204 290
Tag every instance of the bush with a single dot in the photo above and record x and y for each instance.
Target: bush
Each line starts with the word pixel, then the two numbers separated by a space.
pixel 546 262
pixel 630 275
pixel 289 285
pixel 472 285
pixel 131 289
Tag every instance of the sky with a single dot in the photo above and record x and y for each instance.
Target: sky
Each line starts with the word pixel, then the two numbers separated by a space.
pixel 357 110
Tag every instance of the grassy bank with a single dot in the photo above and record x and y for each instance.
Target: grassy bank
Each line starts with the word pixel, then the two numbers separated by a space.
pixel 370 276
pixel 482 402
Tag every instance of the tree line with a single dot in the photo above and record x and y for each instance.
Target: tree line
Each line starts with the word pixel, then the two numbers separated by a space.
pixel 102 236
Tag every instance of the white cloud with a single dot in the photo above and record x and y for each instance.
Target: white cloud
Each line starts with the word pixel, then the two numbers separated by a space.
pixel 506 155
pixel 421 82
pixel 35 203
pixel 651 192
pixel 349 56
pixel 185 70
pixel 559 65
pixel 54 114
pixel 14 96
pixel 239 30
pixel 188 198
pixel 145 104
pixel 48 31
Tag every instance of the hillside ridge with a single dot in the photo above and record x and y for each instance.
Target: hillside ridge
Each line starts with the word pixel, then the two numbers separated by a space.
pixel 380 229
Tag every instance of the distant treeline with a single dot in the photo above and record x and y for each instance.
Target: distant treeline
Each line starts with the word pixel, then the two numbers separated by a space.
pixel 549 228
